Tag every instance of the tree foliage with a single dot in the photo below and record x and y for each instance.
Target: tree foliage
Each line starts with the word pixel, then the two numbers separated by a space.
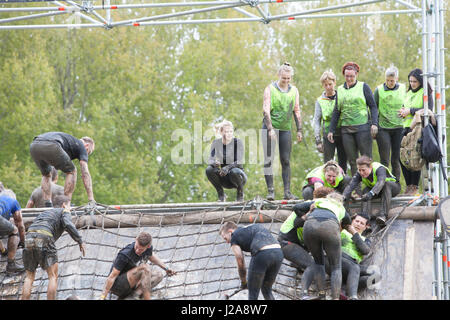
pixel 131 89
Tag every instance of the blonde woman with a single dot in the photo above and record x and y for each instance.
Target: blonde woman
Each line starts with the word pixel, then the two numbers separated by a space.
pixel 225 165
pixel 329 175
pixel 322 119
pixel 280 103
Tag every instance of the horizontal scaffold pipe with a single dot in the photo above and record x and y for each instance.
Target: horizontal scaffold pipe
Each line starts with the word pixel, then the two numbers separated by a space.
pixel 185 207
pixel 133 220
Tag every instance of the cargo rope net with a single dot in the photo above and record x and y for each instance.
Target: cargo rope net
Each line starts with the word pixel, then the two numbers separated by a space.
pixel 205 265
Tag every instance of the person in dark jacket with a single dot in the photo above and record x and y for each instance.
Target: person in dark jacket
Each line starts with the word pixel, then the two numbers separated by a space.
pixel 225 165
pixel 40 248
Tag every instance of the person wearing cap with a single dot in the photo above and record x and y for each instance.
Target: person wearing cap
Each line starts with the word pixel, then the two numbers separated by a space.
pixel 329 175
pixel 358 125
pixel 265 261
pixel 415 97
pixel 10 207
pixel 37 196
pixel 58 149
pixel 280 103
pixel 131 278
pixel 40 245
pixel 225 165
pixel 322 117
pixel 379 182
pixel 321 234
pixel 389 98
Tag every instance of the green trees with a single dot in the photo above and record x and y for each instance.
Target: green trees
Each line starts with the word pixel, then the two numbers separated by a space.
pixel 138 92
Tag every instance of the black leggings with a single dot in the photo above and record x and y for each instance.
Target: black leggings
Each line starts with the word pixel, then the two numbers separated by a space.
pixel 411 177
pixel 319 236
pixel 356 276
pixel 329 151
pixel 356 144
pixel 296 254
pixel 236 178
pixel 388 141
pixel 262 272
pixel 284 147
pixel 390 190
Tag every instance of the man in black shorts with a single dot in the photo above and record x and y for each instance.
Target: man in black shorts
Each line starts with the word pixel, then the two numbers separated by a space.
pixel 40 248
pixel 58 149
pixel 10 207
pixel 37 196
pixel 127 276
pixel 266 257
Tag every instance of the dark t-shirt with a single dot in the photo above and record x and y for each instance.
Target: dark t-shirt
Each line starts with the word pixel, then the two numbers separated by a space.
pixel 127 259
pixel 72 146
pixel 252 238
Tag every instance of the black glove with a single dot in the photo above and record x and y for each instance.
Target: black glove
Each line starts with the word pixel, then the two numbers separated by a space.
pixel 367 196
pixel 224 171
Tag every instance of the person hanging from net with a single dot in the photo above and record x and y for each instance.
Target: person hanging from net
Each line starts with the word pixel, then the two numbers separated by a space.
pixel 330 175
pixel 129 278
pixel 40 245
pixel 265 261
pixel 225 165
pixel 58 149
pixel 379 182
pixel 280 103
pixel 10 207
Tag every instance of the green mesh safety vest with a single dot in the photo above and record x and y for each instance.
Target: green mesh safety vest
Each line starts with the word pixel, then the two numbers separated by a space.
pixel 412 100
pixel 288 225
pixel 349 247
pixel 282 107
pixel 389 103
pixel 352 105
pixel 318 173
pixel 327 106
pixel 332 205
pixel 375 166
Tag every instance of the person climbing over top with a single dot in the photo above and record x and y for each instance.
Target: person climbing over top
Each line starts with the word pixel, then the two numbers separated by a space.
pixel 58 149
pixel 379 182
pixel 329 175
